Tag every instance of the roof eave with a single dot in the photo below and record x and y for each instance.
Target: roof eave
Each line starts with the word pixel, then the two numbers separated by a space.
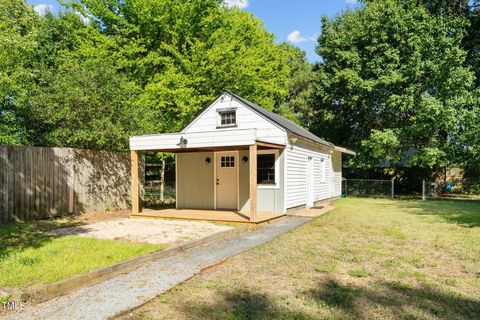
pixel 345 150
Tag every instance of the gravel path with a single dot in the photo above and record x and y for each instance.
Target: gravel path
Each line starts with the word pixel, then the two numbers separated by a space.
pixel 130 290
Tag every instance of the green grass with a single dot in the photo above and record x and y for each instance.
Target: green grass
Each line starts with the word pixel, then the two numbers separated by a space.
pixel 367 259
pixel 30 258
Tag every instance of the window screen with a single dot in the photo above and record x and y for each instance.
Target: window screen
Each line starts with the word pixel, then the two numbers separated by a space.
pixel 266 169
pixel 227 162
pixel 228 118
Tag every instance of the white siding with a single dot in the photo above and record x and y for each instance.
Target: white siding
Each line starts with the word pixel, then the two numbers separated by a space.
pixel 246 119
pixel 296 176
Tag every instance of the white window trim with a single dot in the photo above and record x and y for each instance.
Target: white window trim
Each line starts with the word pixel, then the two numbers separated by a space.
pixel 323 169
pixel 219 117
pixel 277 170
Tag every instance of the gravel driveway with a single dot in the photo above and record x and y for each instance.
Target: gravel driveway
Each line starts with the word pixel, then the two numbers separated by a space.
pixel 130 290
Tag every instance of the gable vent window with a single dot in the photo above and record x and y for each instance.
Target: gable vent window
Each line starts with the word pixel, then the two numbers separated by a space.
pixel 227 118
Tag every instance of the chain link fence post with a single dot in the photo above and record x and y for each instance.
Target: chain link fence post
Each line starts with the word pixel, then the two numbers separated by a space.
pixel 393 188
pixel 424 190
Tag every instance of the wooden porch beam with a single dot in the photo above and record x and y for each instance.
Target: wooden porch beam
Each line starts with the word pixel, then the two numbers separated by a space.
pixel 253 181
pixel 136 206
pixel 270 145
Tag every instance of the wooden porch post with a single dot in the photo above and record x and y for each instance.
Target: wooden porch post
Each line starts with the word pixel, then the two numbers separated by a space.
pixel 253 181
pixel 135 183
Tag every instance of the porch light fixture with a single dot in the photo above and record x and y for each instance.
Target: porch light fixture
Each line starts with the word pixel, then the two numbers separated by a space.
pixel 244 159
pixel 293 140
pixel 183 142
pixel 208 160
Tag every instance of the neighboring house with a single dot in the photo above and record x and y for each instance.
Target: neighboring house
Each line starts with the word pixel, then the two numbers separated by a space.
pixel 240 157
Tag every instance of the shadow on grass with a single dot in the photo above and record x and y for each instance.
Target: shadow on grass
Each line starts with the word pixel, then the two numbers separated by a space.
pixel 463 212
pixel 402 301
pixel 19 236
pixel 384 300
pixel 242 305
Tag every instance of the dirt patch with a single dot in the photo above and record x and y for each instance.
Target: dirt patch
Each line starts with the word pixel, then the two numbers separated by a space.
pixel 100 216
pixel 144 230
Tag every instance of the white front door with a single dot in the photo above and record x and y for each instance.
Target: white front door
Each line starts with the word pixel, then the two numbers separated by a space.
pixel 309 182
pixel 226 179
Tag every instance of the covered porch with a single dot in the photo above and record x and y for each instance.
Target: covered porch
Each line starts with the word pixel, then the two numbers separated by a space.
pixel 207 215
pixel 213 154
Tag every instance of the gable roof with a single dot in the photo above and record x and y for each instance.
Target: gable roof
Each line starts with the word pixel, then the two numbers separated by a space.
pixel 281 121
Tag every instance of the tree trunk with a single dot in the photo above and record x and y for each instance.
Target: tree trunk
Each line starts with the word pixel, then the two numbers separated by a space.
pixel 162 181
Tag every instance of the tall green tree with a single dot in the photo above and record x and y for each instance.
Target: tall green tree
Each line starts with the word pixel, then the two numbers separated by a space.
pixel 184 53
pixel 469 10
pixel 18 31
pixel 297 106
pixel 394 82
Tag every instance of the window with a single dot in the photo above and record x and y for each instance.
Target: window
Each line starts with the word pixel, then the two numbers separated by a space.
pixel 227 162
pixel 266 168
pixel 228 118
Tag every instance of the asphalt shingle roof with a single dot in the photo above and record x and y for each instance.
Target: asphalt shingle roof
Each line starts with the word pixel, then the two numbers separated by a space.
pixel 281 121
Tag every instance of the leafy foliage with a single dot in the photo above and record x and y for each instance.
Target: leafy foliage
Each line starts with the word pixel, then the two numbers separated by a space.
pixel 393 80
pixel 143 66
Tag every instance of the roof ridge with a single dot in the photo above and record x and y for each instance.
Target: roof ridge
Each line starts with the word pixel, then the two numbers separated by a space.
pixel 282 121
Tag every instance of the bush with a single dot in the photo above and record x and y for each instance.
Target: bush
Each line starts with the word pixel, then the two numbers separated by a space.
pixel 457 189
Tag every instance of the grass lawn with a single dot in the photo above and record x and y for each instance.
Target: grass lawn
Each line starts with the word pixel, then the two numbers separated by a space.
pixel 367 259
pixel 30 258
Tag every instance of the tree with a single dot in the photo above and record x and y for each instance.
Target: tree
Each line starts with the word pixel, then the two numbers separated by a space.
pixel 182 54
pixel 297 105
pixel 17 46
pixel 469 10
pixel 393 82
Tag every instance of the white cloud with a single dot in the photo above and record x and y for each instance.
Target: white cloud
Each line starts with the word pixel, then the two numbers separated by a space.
pixel 43 8
pixel 296 37
pixel 354 2
pixel 241 4
pixel 85 19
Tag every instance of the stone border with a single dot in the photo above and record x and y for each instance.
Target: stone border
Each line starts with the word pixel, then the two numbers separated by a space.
pixel 92 277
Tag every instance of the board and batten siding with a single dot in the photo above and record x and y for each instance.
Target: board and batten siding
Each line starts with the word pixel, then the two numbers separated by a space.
pixel 337 173
pixel 268 199
pixel 195 184
pixel 246 118
pixel 296 174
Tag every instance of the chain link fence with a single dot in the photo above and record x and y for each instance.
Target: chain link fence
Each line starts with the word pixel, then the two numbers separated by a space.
pixel 425 189
pixel 368 188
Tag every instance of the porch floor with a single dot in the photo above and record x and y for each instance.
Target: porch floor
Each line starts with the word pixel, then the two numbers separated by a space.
pixel 207 215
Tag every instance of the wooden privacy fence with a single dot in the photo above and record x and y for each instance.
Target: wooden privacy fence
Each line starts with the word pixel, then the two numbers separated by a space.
pixel 37 182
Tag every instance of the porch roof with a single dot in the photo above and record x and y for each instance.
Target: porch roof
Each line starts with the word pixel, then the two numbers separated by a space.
pixel 203 141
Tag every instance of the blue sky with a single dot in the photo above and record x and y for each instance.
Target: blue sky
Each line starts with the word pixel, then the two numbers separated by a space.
pixel 297 21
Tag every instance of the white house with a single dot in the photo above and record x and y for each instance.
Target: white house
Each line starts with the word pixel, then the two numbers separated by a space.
pixel 239 158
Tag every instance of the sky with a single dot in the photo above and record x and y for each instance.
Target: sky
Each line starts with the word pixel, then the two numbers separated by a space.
pixel 296 21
